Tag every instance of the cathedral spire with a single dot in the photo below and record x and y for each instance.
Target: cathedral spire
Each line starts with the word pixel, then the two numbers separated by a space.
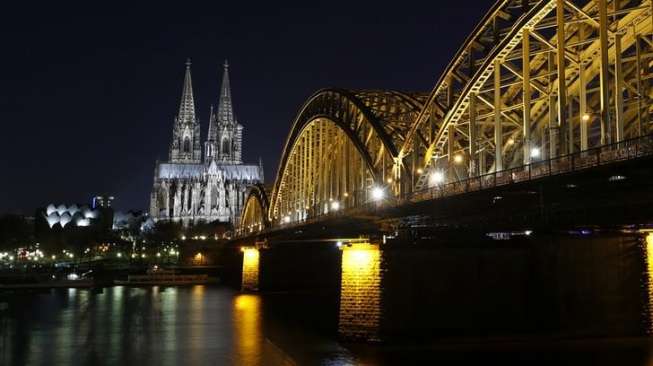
pixel 210 146
pixel 187 105
pixel 225 107
pixel 211 135
pixel 185 146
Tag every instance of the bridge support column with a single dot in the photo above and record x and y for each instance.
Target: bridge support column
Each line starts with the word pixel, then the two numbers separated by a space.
pixel 250 277
pixel 359 315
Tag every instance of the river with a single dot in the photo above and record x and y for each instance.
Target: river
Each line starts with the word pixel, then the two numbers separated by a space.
pixel 214 325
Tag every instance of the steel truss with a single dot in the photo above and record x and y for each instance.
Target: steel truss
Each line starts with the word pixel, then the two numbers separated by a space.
pixel 534 82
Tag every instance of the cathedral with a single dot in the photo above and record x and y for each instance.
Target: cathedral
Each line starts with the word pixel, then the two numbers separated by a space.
pixel 192 186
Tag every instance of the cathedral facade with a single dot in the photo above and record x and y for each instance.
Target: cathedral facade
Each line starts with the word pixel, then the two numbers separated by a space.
pixel 203 185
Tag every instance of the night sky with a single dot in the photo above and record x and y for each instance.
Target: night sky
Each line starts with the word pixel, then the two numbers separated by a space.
pixel 89 94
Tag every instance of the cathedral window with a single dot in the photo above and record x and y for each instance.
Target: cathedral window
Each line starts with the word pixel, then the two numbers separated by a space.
pixel 186 145
pixel 214 197
pixel 225 147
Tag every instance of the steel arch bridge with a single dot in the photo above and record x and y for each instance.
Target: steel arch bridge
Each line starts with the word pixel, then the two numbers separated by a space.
pixel 536 80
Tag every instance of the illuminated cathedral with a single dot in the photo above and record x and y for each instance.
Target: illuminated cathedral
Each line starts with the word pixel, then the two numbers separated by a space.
pixel 203 185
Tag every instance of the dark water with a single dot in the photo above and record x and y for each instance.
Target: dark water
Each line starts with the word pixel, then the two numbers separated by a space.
pixel 218 326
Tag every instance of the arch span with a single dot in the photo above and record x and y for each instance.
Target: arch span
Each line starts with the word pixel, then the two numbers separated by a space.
pixel 342 143
pixel 253 217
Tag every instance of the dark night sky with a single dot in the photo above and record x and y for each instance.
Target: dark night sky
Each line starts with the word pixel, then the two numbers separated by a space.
pixel 89 94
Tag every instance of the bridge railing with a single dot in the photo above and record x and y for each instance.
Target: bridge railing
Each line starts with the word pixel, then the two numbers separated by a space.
pixel 606 154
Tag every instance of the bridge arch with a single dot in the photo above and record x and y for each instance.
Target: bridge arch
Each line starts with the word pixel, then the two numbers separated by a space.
pixel 535 80
pixel 254 216
pixel 342 143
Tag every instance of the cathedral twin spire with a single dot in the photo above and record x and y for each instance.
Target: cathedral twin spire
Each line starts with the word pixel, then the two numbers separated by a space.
pixel 224 138
pixel 186 146
pixel 187 105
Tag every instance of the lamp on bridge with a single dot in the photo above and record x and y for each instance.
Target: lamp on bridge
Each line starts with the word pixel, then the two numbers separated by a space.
pixel 535 152
pixel 436 177
pixel 377 193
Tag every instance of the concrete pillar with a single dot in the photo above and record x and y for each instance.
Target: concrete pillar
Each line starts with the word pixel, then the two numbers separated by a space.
pixel 250 277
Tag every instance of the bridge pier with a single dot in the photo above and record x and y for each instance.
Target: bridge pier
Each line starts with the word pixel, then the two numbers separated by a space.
pixel 250 271
pixel 468 285
pixel 360 293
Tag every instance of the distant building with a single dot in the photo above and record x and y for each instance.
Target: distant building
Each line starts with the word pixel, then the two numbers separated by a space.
pixel 192 187
pixel 132 220
pixel 73 216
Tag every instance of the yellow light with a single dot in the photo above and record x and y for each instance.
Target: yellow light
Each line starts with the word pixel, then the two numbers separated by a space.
pixel 649 239
pixel 335 205
pixel 586 117
pixel 360 295
pixel 389 180
pixel 377 193
pixel 250 268
pixel 437 177
pixel 458 159
pixel 346 194
pixel 420 171
pixel 511 141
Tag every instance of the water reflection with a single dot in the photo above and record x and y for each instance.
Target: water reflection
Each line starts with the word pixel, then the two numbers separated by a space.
pixel 247 325
pixel 211 325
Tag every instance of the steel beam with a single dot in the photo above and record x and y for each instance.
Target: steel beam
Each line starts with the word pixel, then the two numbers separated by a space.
pixel 562 82
pixel 498 130
pixel 526 91
pixel 618 90
pixel 606 125
pixel 473 139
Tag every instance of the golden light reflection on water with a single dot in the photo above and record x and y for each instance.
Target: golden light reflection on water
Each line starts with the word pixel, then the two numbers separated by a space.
pixel 197 322
pixel 248 333
pixel 360 292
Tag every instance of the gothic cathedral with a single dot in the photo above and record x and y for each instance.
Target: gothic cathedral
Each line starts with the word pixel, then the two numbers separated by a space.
pixel 191 188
